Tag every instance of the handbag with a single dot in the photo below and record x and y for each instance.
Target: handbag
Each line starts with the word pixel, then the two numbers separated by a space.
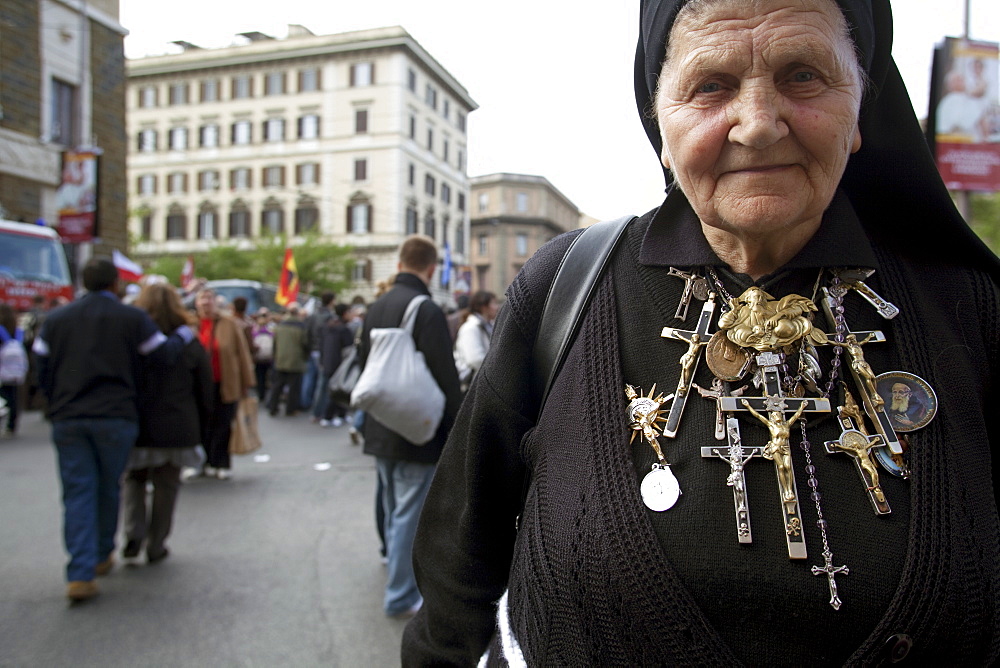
pixel 245 438
pixel 396 387
pixel 346 376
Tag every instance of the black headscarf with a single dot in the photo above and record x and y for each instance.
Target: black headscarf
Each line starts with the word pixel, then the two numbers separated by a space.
pixel 892 181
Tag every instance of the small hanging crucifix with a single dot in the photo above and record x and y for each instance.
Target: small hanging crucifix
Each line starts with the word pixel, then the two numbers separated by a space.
pixel 855 441
pixel 696 340
pixel 736 455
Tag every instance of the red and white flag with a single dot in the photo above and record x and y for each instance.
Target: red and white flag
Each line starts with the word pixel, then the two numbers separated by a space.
pixel 187 273
pixel 129 271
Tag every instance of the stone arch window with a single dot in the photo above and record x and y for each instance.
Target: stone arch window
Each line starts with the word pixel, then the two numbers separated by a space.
pixel 208 221
pixel 239 220
pixel 306 215
pixel 272 217
pixel 176 222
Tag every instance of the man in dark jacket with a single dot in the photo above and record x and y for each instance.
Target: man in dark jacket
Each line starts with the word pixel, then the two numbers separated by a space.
pixel 405 470
pixel 88 368
pixel 291 354
pixel 314 336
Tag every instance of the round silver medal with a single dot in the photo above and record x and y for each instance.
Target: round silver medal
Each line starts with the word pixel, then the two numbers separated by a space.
pixel 660 488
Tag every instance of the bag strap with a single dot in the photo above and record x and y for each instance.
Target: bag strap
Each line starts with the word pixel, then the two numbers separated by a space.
pixel 570 292
pixel 410 315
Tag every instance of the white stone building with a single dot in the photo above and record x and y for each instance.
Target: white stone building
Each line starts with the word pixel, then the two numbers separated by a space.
pixel 359 135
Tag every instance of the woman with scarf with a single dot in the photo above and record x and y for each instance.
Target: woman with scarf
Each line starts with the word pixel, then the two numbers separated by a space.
pixel 721 484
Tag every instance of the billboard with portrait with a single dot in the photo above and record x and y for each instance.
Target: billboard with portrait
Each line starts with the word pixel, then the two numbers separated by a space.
pixel 964 114
pixel 76 197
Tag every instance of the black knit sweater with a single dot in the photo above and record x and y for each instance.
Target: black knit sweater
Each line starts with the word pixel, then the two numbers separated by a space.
pixel 595 578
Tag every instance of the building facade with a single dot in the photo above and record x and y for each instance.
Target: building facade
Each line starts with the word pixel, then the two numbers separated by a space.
pixel 512 216
pixel 62 87
pixel 359 137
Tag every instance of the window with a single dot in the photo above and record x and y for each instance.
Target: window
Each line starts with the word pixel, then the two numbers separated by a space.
pixel 307 174
pixel 413 126
pixel 430 224
pixel 274 176
pixel 210 90
pixel 431 97
pixel 360 121
pixel 362 74
pixel 308 80
pixel 446 193
pixel 208 221
pixel 146 184
pixel 522 202
pixel 176 223
pixel 272 220
pixel 430 139
pixel 361 169
pixel 309 126
pixel 274 130
pixel 177 183
pixel 412 175
pixel 146 226
pixel 208 180
pixel 239 179
pixel 446 109
pixel 430 187
pixel 208 136
pixel 460 162
pixel 460 121
pixel 362 270
pixel 178 139
pixel 242 87
pixel 239 221
pixel 147 97
pixel 521 243
pixel 483 244
pixel 147 140
pixel 444 150
pixel 461 201
pixel 242 133
pixel 359 217
pixel 411 220
pixel 411 80
pixel 274 83
pixel 484 202
pixel 64 114
pixel 178 94
pixel 460 238
pixel 306 215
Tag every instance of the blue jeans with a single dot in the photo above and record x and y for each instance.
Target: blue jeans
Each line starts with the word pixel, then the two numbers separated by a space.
pixel 92 456
pixel 310 379
pixel 405 486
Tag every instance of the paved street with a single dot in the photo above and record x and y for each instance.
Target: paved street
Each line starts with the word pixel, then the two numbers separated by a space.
pixel 277 567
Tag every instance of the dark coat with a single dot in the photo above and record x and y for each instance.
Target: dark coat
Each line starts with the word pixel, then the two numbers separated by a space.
pixel 175 401
pixel 334 337
pixel 431 336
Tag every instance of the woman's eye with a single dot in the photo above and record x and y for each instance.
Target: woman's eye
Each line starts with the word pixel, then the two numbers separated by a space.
pixel 803 76
pixel 711 87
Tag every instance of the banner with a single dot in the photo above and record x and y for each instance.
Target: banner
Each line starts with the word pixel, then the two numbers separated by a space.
pixel 129 271
pixel 965 114
pixel 187 273
pixel 288 286
pixel 76 196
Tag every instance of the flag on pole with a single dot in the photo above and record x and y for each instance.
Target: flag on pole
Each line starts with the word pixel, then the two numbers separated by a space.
pixel 187 273
pixel 288 286
pixel 128 270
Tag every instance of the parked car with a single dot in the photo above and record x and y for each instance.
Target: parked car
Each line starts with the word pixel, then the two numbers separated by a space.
pixel 257 294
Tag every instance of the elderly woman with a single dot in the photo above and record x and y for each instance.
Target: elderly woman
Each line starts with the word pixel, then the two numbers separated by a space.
pixel 232 374
pixel 652 527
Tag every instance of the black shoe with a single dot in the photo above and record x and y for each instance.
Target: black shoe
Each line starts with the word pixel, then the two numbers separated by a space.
pixel 153 557
pixel 131 550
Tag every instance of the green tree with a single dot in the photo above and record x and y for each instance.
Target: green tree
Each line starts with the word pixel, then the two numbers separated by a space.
pixel 322 265
pixel 986 218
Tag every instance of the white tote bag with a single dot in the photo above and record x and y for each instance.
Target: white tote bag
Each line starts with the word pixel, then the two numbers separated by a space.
pixel 396 387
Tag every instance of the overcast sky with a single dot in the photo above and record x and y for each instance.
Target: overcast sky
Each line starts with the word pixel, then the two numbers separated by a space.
pixel 554 88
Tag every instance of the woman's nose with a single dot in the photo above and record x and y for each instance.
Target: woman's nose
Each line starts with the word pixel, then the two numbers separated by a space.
pixel 756 118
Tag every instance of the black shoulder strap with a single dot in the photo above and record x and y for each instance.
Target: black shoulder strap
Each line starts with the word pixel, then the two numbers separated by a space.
pixel 568 296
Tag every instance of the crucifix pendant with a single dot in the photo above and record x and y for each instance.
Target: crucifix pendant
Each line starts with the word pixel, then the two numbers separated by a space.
pixel 696 340
pixel 714 393
pixel 830 571
pixel 694 285
pixel 659 488
pixel 855 441
pixel 855 278
pixel 736 455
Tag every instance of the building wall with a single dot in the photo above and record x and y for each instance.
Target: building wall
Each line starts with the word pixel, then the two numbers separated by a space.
pixel 386 145
pixel 107 57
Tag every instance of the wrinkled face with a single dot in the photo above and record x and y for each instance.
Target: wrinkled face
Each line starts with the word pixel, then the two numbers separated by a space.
pixel 204 303
pixel 758 110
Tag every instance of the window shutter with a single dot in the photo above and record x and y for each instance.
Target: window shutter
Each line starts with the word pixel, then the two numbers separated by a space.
pixel 368 270
pixel 350 220
pixel 316 173
pixel 281 175
pixel 352 74
pixel 184 181
pixel 372 66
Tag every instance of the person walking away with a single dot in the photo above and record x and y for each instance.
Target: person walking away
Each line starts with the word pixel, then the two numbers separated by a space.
pixel 335 337
pixel 405 470
pixel 88 355
pixel 232 376
pixel 13 368
pixel 245 322
pixel 473 341
pixel 175 403
pixel 314 331
pixel 291 355
pixel 263 351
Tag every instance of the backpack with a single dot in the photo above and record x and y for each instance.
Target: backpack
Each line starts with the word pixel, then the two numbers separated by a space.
pixel 13 362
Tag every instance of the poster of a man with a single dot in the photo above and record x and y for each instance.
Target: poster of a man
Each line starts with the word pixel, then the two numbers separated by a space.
pixel 909 400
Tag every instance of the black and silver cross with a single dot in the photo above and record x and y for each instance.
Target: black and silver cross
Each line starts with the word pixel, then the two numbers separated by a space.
pixel 696 340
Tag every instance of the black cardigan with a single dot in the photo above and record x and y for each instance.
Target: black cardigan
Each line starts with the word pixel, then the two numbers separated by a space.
pixel 175 401
pixel 592 577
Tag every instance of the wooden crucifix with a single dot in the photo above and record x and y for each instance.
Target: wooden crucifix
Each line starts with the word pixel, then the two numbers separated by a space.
pixel 736 455
pixel 771 410
pixel 696 341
